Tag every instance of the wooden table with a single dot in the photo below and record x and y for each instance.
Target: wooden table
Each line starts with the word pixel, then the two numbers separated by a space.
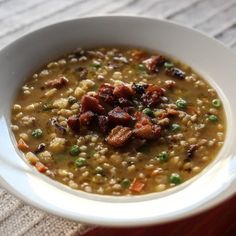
pixel 217 18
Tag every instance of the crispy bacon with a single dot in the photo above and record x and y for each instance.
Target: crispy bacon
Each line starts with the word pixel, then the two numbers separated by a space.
pixel 86 118
pixel 123 102
pixel 54 121
pixel 105 93
pixel 119 136
pixel 191 151
pixel 83 72
pixel 122 91
pixel 154 63
pixel 176 73
pixel 118 116
pixel 152 95
pixel 57 83
pixel 74 123
pixel 147 131
pixel 89 103
pixel 103 123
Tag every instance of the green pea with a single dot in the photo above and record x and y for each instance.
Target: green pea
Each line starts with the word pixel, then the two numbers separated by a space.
pixel 74 150
pixel 125 183
pixel 181 103
pixel 80 162
pixel 175 178
pixel 213 118
pixel 148 112
pixel 216 103
pixel 37 133
pixel 175 127
pixel 163 157
pixel 168 65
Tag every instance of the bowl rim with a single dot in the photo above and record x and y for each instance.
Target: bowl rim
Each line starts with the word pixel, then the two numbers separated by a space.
pixel 105 222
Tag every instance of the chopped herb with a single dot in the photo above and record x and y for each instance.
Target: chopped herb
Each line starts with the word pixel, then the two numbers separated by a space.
pixel 216 103
pixel 181 103
pixel 141 68
pixel 168 65
pixel 125 183
pixel 74 150
pixel 37 133
pixel 175 127
pixel 80 162
pixel 46 107
pixel 148 112
pixel 96 65
pixel 213 118
pixel 175 178
pixel 72 100
pixel 100 170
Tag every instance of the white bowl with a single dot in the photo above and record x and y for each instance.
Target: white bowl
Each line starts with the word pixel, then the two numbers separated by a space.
pixel 207 56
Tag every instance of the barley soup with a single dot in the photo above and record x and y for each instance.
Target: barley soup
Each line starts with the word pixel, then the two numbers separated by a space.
pixel 118 121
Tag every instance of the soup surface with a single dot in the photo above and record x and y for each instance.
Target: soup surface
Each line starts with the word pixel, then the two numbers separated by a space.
pixel 118 121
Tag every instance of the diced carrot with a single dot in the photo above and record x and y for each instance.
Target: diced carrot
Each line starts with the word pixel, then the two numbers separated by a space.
pixel 22 145
pixel 136 185
pixel 41 167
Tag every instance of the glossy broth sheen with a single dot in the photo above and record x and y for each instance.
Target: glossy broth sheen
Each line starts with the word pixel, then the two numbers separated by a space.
pixel 170 123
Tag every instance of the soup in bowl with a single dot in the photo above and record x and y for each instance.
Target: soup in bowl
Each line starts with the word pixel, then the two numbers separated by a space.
pixel 118 121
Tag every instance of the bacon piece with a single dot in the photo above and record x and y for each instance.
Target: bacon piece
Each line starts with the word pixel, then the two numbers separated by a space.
pixel 119 136
pixel 54 121
pixel 103 123
pixel 123 102
pixel 152 95
pixel 142 119
pixel 57 83
pixel 144 128
pixel 83 72
pixel 73 123
pixel 86 118
pixel 175 72
pixel 148 131
pixel 105 93
pixel 154 63
pixel 191 151
pixel 139 88
pixel 122 91
pixel 40 148
pixel 89 103
pixel 118 116
pixel 170 84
